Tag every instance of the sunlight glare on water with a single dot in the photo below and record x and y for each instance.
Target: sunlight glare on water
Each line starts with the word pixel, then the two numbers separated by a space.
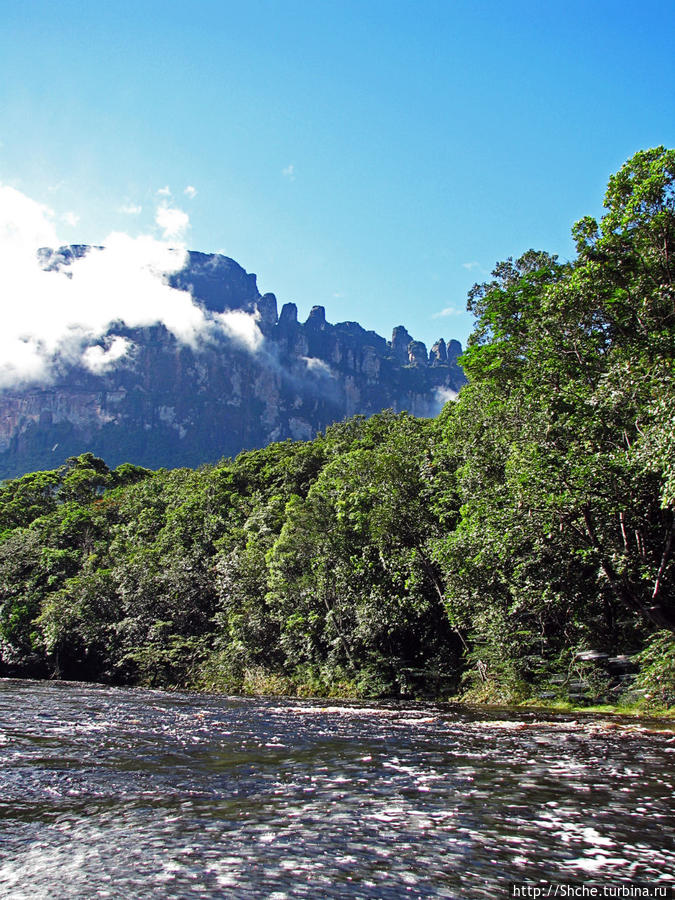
pixel 114 792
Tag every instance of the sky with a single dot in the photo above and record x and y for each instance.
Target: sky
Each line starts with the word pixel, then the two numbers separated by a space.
pixel 373 157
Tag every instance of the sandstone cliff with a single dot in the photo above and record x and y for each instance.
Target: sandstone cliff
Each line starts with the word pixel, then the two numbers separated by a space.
pixel 166 403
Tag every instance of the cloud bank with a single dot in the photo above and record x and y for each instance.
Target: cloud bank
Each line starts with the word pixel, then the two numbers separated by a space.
pixel 68 313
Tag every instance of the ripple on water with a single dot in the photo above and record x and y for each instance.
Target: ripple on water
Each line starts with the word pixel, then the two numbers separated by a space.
pixel 132 793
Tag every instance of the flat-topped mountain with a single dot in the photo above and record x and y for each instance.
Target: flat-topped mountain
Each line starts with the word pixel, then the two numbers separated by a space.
pixel 253 374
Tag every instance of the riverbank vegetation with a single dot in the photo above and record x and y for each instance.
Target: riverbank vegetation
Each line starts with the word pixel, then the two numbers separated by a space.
pixel 518 547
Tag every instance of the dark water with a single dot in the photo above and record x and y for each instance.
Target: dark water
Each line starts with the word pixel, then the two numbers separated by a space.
pixel 129 793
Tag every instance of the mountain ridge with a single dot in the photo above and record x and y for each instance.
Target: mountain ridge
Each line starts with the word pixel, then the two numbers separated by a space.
pixel 257 375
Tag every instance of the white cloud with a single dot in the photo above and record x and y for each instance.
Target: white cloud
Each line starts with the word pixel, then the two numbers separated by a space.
pixel 173 222
pixel 444 395
pixel 68 312
pixel 130 209
pixel 190 192
pixel 471 265
pixel 242 328
pixel 448 311
pixel 24 223
pixel 164 192
pixel 99 359
pixel 127 278
pixel 289 172
pixel 70 218
pixel 317 366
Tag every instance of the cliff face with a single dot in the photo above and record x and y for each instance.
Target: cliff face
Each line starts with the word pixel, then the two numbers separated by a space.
pixel 166 403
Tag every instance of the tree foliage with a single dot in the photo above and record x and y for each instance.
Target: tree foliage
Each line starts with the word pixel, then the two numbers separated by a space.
pixel 532 520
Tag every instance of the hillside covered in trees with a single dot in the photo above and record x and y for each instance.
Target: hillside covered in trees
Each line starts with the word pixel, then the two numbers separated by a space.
pixel 506 550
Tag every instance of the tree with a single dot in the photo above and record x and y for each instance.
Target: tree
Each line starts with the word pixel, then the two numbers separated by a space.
pixel 563 429
pixel 351 579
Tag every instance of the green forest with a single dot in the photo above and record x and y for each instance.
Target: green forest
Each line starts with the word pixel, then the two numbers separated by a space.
pixel 502 552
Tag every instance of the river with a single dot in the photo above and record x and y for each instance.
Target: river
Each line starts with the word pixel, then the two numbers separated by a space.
pixel 131 793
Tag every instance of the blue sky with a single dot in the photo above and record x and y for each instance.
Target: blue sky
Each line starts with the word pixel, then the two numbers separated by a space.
pixel 373 157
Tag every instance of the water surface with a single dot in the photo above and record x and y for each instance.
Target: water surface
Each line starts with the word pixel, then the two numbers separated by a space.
pixel 125 793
